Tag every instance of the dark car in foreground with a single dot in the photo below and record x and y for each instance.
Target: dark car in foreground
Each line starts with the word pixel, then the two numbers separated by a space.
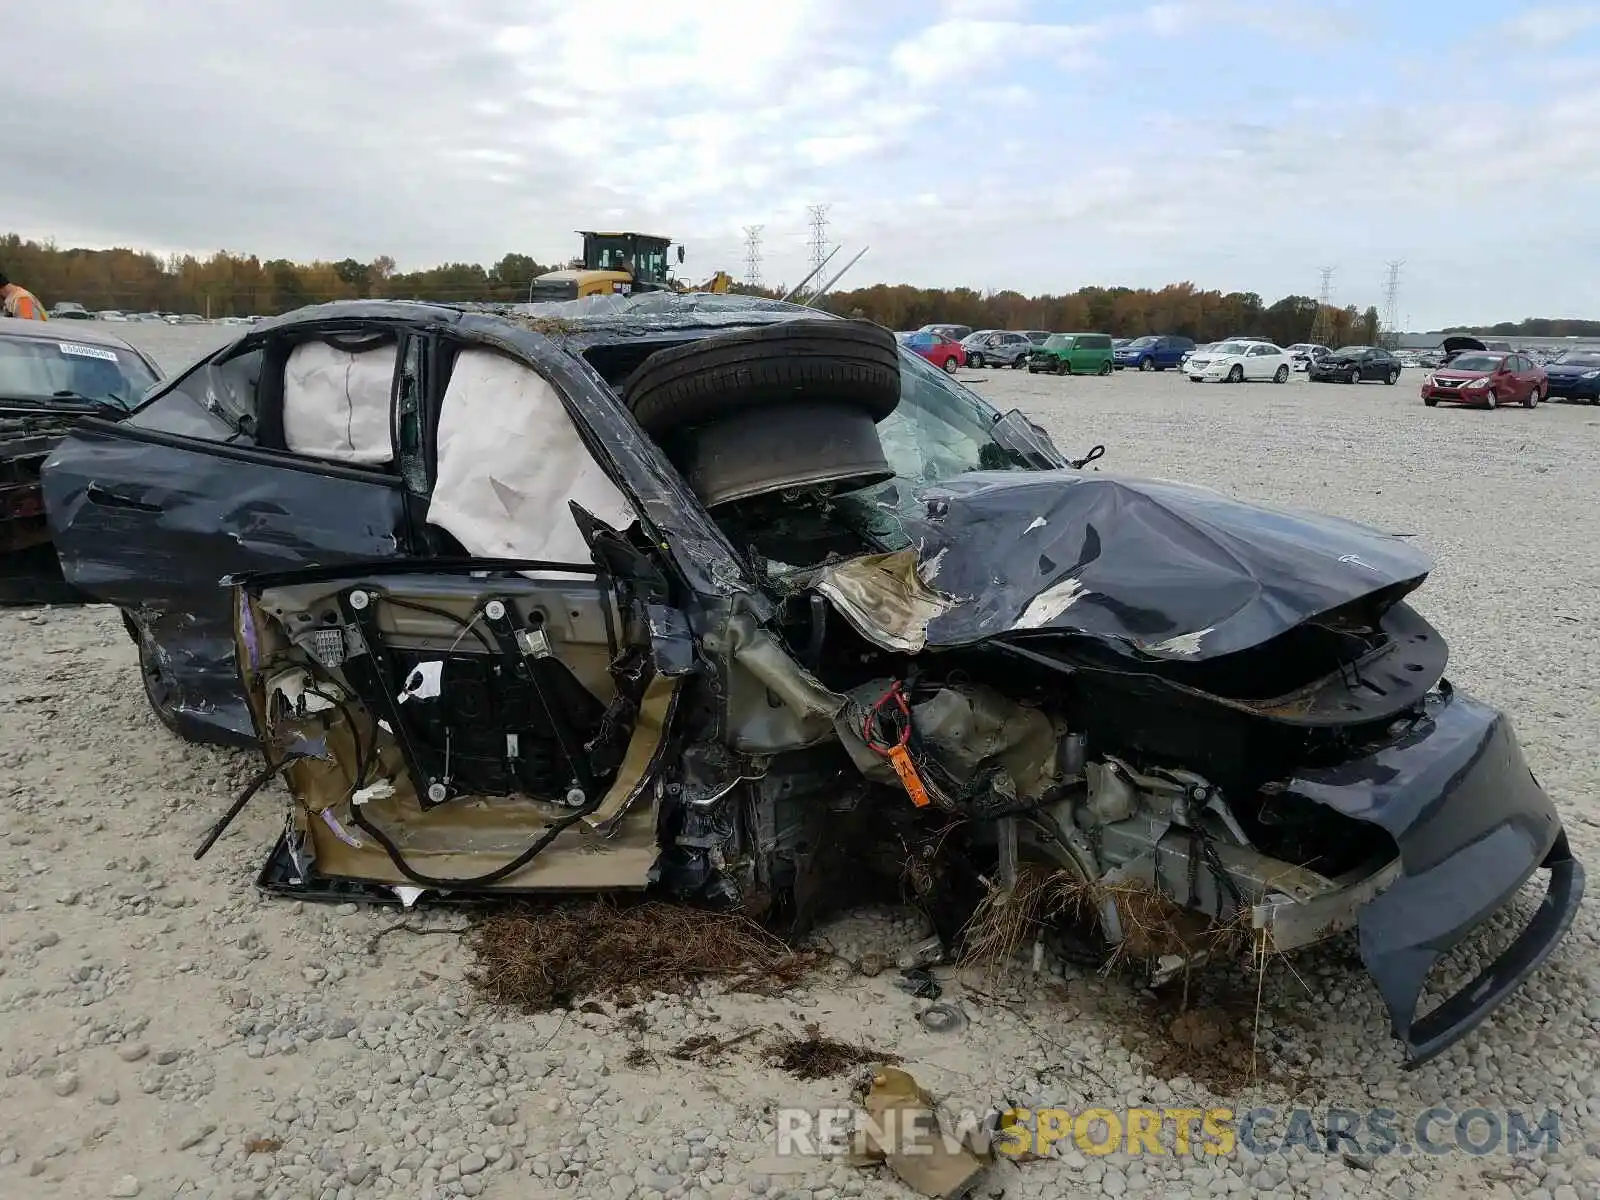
pixel 1486 379
pixel 1152 353
pixel 1574 376
pixel 1355 364
pixel 715 598
pixel 50 379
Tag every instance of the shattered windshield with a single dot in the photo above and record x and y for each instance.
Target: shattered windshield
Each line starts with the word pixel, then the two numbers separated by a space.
pixel 938 431
pixel 34 369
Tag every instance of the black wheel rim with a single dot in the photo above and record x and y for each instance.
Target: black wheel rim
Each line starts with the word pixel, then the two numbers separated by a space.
pixel 157 688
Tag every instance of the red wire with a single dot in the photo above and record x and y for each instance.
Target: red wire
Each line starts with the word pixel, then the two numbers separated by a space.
pixel 903 736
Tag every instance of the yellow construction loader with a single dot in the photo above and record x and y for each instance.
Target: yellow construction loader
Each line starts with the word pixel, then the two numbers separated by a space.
pixel 619 264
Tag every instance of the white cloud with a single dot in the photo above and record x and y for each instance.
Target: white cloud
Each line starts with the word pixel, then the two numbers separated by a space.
pixel 1553 24
pixel 966 47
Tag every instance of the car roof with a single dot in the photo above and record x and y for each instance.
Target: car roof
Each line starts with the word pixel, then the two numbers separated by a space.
pixel 82 332
pixel 575 324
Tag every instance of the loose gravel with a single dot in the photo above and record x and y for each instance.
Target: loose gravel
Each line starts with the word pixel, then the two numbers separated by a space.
pixel 165 1031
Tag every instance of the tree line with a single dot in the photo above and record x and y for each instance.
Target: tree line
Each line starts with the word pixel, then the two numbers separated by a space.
pixel 1178 308
pixel 241 285
pixel 228 284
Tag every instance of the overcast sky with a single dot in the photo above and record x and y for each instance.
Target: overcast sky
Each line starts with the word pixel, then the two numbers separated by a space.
pixel 1034 144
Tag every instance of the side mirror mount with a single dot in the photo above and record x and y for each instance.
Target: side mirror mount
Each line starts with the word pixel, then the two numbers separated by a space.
pixel 1027 441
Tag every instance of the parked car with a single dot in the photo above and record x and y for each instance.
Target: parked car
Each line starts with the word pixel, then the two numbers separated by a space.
pixel 1037 336
pixel 1301 354
pixel 942 351
pixel 1190 353
pixel 1486 379
pixel 1073 354
pixel 1153 353
pixel 1574 376
pixel 50 380
pixel 1002 348
pixel 515 611
pixel 67 310
pixel 973 343
pixel 1355 364
pixel 110 314
pixel 1239 362
pixel 954 332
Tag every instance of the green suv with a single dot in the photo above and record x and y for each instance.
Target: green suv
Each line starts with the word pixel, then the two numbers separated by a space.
pixel 1073 354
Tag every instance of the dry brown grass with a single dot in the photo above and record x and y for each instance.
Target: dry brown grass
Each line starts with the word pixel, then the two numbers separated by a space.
pixel 812 1055
pixel 555 956
pixel 1003 924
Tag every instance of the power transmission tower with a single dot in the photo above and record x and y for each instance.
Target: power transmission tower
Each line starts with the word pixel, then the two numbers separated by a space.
pixel 1391 299
pixel 819 233
pixel 1321 327
pixel 752 255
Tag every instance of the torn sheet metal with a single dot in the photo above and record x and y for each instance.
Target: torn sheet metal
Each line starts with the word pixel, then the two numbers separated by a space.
pixel 1169 570
pixel 884 596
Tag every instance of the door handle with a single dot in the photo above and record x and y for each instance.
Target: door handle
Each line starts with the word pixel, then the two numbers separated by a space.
pixel 98 495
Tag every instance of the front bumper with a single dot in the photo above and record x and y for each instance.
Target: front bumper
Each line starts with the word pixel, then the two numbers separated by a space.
pixel 1445 395
pixel 1472 825
pixel 1574 389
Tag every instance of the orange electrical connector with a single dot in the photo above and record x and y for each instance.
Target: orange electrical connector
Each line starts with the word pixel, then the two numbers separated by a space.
pixel 894 711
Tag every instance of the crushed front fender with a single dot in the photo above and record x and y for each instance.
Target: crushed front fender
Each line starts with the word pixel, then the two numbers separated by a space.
pixel 1472 825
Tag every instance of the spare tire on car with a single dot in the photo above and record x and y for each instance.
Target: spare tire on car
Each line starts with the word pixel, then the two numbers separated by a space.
pixel 783 406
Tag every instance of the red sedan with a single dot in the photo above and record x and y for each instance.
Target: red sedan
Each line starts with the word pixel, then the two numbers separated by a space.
pixel 941 351
pixel 1487 379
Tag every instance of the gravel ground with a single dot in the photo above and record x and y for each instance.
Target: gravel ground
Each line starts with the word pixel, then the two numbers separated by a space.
pixel 167 1032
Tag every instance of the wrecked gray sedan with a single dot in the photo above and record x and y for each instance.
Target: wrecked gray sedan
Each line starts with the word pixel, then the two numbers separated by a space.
pixel 716 597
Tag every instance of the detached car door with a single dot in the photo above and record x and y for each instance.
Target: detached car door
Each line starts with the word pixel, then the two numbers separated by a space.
pixel 271 455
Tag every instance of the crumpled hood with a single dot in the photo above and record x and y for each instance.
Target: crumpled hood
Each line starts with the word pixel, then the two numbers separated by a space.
pixel 1171 570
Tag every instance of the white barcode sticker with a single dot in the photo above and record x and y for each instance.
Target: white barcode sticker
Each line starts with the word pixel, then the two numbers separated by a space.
pixel 81 351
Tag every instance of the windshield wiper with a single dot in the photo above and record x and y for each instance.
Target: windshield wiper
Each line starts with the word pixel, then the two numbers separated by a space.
pixel 112 404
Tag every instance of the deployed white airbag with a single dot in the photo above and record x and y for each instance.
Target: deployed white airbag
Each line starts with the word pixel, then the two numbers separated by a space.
pixel 509 460
pixel 336 402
